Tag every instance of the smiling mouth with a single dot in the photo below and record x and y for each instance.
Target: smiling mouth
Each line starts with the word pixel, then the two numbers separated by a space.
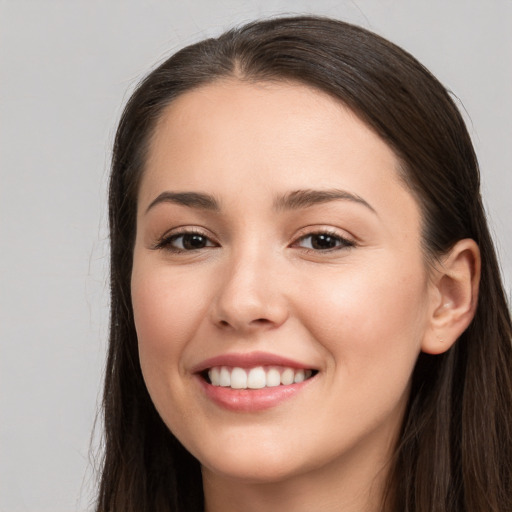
pixel 258 377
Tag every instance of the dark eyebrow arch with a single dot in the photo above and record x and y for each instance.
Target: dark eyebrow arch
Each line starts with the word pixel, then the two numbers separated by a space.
pixel 190 199
pixel 306 198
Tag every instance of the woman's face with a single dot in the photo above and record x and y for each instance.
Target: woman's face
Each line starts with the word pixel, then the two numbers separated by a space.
pixel 276 242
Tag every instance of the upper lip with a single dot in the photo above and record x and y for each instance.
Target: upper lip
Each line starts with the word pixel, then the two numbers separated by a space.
pixel 248 360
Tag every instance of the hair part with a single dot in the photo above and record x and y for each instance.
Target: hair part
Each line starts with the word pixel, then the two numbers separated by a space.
pixel 456 442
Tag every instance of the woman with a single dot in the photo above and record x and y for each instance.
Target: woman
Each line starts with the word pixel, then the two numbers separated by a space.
pixel 307 312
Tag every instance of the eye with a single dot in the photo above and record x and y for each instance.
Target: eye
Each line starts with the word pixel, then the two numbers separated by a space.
pixel 183 242
pixel 323 241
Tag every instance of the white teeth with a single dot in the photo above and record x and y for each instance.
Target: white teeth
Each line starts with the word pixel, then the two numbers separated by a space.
pixel 299 376
pixel 256 378
pixel 225 377
pixel 273 378
pixel 238 378
pixel 214 375
pixel 287 377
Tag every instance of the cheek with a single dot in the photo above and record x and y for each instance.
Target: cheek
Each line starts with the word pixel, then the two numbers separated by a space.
pixel 367 320
pixel 167 311
pixel 371 328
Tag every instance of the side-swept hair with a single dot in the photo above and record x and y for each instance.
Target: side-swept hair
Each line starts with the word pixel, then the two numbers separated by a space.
pixel 455 448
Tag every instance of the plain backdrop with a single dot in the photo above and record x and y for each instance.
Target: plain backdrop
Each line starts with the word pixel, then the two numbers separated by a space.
pixel 66 68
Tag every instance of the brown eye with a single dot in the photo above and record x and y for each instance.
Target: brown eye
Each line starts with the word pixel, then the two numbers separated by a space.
pixel 323 242
pixel 187 242
pixel 191 242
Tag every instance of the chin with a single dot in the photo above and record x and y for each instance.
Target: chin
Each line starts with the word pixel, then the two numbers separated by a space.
pixel 258 465
pixel 253 473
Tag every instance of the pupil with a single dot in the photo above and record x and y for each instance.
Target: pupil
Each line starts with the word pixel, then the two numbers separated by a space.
pixel 323 242
pixel 194 241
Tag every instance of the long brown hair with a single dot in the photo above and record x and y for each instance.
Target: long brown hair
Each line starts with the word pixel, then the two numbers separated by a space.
pixel 455 449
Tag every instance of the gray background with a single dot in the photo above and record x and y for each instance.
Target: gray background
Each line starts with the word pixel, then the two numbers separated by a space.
pixel 66 67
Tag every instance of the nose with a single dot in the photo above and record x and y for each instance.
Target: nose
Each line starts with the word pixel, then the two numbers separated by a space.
pixel 250 295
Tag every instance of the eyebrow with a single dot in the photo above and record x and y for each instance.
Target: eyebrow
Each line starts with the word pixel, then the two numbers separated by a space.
pixel 190 199
pixel 294 200
pixel 306 198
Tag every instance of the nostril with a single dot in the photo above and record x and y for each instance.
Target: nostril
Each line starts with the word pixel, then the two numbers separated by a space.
pixel 257 321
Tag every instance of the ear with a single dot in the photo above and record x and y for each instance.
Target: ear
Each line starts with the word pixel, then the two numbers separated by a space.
pixel 454 296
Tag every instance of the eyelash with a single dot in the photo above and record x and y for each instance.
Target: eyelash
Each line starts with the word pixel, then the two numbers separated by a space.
pixel 340 242
pixel 166 241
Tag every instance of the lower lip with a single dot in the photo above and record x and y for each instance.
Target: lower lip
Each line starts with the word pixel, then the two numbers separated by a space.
pixel 251 400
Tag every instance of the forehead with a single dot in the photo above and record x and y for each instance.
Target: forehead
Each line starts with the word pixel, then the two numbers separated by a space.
pixel 270 108
pixel 235 138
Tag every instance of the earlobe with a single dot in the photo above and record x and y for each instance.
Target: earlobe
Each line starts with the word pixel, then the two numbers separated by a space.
pixel 454 296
